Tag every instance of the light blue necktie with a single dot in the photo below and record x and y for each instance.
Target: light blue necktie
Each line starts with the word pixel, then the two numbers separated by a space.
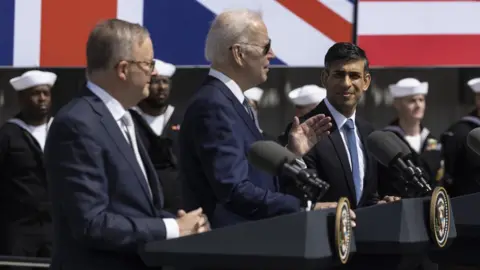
pixel 349 127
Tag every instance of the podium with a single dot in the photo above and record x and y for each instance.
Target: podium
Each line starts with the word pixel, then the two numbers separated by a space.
pixel 302 240
pixel 465 249
pixel 396 235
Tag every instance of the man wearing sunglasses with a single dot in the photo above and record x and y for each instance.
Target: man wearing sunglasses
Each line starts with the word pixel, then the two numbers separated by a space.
pixel 219 127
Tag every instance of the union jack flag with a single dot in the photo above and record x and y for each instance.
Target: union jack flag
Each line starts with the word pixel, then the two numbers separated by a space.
pixel 53 33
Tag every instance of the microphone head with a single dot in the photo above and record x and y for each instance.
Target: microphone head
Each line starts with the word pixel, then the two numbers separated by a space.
pixel 269 156
pixel 383 147
pixel 473 140
pixel 403 146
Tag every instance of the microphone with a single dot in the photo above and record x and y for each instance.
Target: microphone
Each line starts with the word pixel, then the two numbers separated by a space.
pixel 473 140
pixel 276 160
pixel 407 157
pixel 387 151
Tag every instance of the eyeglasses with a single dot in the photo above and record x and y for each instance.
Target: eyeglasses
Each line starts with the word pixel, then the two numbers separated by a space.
pixel 150 64
pixel 266 48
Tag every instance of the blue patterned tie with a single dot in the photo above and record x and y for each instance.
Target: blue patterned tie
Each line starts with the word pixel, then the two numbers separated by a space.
pixel 249 108
pixel 349 127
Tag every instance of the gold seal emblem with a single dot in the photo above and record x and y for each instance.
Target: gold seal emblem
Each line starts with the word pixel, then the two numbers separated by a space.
pixel 343 230
pixel 440 216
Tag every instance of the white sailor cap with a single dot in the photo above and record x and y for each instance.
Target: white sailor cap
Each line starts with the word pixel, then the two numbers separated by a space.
pixel 408 87
pixel 164 68
pixel 474 84
pixel 307 94
pixel 33 78
pixel 254 94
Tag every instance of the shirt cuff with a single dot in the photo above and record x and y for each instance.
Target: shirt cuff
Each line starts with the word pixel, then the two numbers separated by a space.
pixel 309 205
pixel 171 225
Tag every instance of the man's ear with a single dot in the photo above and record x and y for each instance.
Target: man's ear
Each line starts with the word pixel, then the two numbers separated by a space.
pixel 122 70
pixel 324 77
pixel 367 80
pixel 237 55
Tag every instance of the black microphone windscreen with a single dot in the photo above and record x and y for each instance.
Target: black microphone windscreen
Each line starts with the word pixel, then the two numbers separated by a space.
pixel 403 146
pixel 473 140
pixel 269 156
pixel 382 147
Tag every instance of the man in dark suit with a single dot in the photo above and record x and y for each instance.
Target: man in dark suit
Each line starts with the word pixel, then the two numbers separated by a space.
pixel 106 197
pixel 342 159
pixel 219 128
pixel 158 125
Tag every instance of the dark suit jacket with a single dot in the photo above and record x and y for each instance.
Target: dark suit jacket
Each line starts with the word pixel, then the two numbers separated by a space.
pixel 329 157
pixel 102 209
pixel 215 137
pixel 160 150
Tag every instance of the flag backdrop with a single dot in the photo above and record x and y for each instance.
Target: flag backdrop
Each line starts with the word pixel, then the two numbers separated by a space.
pixel 53 33
pixel 414 33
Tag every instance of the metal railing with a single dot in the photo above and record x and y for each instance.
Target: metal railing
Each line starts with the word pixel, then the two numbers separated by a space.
pixel 16 261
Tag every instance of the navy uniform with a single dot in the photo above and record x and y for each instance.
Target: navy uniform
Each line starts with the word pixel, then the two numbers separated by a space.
pixel 25 208
pixel 425 148
pixel 305 99
pixel 429 158
pixel 159 134
pixel 461 164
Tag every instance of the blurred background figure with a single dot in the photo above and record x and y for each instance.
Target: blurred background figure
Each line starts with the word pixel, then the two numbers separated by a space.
pixel 306 98
pixel 254 95
pixel 158 123
pixel 409 95
pixel 460 163
pixel 26 223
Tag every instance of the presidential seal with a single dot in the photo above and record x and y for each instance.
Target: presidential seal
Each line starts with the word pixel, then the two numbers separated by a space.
pixel 440 216
pixel 343 230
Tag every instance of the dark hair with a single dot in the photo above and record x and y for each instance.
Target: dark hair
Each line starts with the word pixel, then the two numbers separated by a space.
pixel 110 41
pixel 345 51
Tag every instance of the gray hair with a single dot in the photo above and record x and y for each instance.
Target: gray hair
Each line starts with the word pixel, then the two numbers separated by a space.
pixel 228 28
pixel 111 41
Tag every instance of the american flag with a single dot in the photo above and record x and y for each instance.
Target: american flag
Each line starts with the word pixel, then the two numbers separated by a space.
pixel 412 33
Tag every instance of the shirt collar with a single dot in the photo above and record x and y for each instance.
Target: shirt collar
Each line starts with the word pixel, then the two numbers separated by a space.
pixel 113 106
pixel 339 118
pixel 231 84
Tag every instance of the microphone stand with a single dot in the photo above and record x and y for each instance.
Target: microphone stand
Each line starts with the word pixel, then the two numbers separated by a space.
pixel 415 178
pixel 313 188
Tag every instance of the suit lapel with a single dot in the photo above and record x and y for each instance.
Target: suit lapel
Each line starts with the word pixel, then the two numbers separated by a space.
pixel 368 159
pixel 118 138
pixel 155 185
pixel 336 139
pixel 241 110
pixel 143 124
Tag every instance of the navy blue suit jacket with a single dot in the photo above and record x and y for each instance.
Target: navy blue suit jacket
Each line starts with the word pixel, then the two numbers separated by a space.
pixel 102 210
pixel 215 137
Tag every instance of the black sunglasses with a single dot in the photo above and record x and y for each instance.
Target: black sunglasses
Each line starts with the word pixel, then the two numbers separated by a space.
pixel 266 48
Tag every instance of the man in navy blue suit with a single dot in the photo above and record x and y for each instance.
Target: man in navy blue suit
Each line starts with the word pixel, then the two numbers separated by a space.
pixel 219 128
pixel 107 199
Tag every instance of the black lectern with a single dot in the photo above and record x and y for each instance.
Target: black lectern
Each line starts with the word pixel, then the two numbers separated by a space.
pixel 395 235
pixel 296 241
pixel 465 249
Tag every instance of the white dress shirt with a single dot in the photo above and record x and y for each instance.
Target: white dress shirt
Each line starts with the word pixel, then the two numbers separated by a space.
pixel 340 120
pixel 118 112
